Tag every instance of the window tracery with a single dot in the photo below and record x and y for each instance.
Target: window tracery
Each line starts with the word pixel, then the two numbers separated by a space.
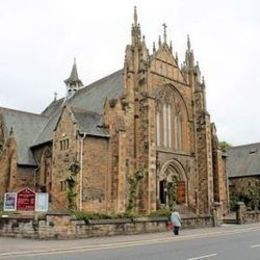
pixel 170 119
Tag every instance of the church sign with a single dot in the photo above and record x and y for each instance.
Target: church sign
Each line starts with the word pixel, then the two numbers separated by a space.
pixel 26 200
pixel 10 201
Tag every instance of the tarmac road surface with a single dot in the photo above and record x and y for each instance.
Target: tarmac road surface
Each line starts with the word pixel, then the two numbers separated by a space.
pixel 226 242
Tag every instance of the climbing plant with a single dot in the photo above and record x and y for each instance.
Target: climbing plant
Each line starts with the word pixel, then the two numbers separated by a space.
pixel 71 181
pixel 133 182
pixel 172 192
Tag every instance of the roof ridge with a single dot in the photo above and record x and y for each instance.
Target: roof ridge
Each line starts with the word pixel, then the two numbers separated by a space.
pixel 52 104
pixel 243 145
pixel 21 111
pixel 104 78
pixel 97 81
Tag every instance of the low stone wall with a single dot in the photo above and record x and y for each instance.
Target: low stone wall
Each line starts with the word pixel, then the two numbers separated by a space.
pixel 62 226
pixel 244 216
pixel 252 216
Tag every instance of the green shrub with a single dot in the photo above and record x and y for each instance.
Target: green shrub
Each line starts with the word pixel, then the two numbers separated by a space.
pixel 161 213
pixel 81 215
pixel 233 200
pixel 127 214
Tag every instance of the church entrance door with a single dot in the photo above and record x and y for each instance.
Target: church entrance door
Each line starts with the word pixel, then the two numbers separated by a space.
pixel 171 185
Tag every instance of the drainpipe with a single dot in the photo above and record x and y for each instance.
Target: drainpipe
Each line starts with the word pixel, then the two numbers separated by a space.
pixel 81 170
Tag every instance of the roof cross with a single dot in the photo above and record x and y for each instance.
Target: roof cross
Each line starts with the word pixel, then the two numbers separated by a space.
pixel 165 32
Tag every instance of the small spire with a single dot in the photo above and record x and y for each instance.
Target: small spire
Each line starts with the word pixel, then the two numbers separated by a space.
pixel 73 83
pixel 136 30
pixel 74 78
pixel 188 42
pixel 143 39
pixel 171 46
pixel 55 95
pixel 164 32
pixel 203 80
pixel 154 48
pixel 160 41
pixel 177 58
pixel 135 16
pixel 11 132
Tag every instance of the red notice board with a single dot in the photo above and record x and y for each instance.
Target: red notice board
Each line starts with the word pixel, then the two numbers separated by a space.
pixel 26 200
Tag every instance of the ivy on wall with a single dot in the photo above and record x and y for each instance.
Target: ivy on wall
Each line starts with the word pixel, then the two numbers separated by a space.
pixel 71 181
pixel 133 182
pixel 172 192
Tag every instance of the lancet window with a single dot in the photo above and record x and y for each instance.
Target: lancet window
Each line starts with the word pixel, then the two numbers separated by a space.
pixel 170 124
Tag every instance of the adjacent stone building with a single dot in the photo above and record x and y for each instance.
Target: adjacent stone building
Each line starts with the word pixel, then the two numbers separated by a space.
pixel 141 138
pixel 243 169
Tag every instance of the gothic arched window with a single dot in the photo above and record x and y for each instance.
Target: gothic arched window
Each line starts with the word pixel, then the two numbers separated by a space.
pixel 171 122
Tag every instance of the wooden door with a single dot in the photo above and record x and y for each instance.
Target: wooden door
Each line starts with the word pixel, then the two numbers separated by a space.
pixel 181 192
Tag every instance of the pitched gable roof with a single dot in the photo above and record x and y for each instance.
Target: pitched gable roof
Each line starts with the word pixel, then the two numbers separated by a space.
pixel 26 127
pixel 90 98
pixel 243 160
pixel 46 133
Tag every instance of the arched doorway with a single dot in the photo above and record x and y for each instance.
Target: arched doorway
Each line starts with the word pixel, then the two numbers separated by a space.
pixel 172 185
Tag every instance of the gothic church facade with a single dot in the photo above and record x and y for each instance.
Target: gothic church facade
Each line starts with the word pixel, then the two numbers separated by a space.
pixel 141 137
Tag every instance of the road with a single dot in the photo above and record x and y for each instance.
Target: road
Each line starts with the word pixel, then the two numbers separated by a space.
pixel 226 242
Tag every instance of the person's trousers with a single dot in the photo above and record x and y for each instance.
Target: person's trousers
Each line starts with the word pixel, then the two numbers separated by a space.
pixel 176 230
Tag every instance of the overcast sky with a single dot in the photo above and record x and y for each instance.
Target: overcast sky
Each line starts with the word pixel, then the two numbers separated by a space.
pixel 39 39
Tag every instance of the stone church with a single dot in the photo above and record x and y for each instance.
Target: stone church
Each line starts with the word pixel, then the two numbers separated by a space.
pixel 140 138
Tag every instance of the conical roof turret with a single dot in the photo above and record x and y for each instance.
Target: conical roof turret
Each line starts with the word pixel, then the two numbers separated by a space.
pixel 74 80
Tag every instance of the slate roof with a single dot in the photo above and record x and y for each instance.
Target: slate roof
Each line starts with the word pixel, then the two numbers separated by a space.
pixel 243 160
pixel 26 126
pixel 90 98
pixel 31 129
pixel 89 122
pixel 46 133
pixel 54 105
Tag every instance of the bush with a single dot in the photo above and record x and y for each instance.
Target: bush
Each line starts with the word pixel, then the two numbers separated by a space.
pixel 161 213
pixel 127 214
pixel 81 215
pixel 233 200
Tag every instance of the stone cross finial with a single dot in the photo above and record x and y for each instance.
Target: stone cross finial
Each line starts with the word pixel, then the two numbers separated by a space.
pixel 164 32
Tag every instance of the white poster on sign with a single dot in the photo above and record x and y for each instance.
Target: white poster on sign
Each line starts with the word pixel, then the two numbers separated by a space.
pixel 42 202
pixel 10 201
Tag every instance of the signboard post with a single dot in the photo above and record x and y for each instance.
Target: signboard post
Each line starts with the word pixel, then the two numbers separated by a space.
pixel 10 201
pixel 26 200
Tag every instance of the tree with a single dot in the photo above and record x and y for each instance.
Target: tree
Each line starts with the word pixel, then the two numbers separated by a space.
pixel 224 146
